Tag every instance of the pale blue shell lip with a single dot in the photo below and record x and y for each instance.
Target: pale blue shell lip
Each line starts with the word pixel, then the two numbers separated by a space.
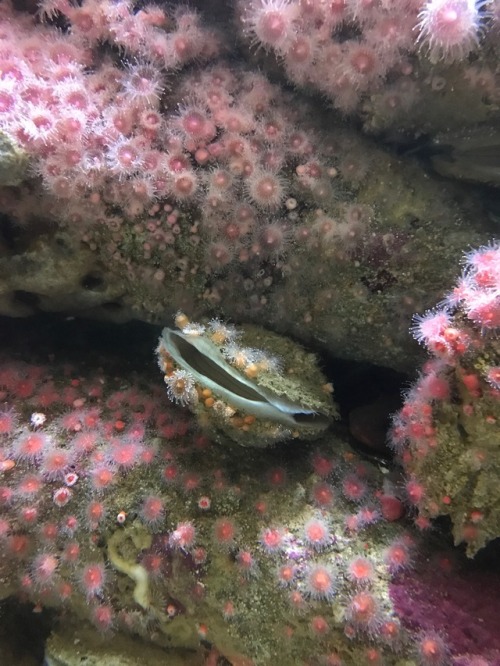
pixel 202 359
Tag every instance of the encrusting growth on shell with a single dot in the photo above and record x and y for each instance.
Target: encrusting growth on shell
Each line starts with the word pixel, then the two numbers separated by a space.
pixel 249 385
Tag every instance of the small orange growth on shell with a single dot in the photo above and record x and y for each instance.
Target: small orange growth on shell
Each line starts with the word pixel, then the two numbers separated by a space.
pixel 251 371
pixel 181 320
pixel 218 337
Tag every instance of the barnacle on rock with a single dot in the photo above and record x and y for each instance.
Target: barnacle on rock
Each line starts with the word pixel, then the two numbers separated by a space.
pixel 252 386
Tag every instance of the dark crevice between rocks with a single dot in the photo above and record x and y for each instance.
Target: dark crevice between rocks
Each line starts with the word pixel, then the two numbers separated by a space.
pixel 367 394
pixel 26 298
pixel 93 282
pixel 112 306
pixel 8 233
pixel 79 341
pixel 23 632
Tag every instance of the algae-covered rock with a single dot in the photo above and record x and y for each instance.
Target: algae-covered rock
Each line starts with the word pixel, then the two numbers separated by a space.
pixel 357 240
pixel 13 162
pixel 52 273
pixel 447 434
pixel 248 384
pixel 75 643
